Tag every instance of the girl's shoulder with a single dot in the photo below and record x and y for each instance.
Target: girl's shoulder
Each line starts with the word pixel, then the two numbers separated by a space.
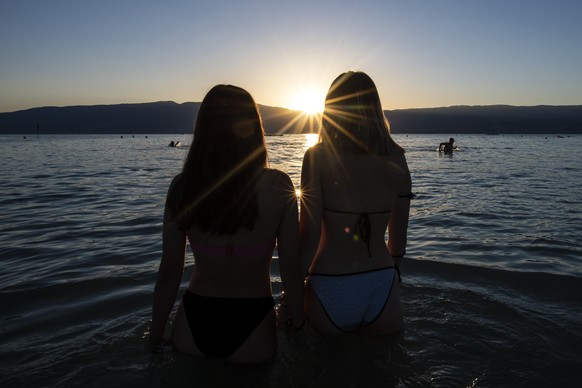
pixel 275 187
pixel 176 179
pixel 318 148
pixel 317 153
pixel 274 176
pixel 397 157
pixel 175 182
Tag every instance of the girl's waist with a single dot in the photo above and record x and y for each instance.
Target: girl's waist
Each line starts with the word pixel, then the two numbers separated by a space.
pixel 344 263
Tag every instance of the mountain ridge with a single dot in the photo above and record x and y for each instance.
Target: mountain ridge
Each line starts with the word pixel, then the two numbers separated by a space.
pixel 168 117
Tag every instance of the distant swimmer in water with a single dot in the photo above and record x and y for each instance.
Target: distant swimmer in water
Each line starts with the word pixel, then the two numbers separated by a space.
pixel 178 144
pixel 447 148
pixel 171 144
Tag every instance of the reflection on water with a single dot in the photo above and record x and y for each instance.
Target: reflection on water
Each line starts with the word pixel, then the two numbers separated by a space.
pixel 311 139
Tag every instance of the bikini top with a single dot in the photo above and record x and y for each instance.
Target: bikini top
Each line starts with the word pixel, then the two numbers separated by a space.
pixel 363 227
pixel 231 249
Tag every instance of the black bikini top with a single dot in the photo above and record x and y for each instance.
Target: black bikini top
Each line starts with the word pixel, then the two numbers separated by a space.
pixel 363 227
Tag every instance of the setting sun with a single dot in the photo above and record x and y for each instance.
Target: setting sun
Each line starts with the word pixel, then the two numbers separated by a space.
pixel 310 101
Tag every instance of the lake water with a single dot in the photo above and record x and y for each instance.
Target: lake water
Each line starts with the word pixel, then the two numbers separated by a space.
pixel 492 282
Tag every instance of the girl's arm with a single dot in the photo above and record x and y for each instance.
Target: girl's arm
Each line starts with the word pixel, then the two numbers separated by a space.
pixel 398 224
pixel 289 259
pixel 311 211
pixel 169 275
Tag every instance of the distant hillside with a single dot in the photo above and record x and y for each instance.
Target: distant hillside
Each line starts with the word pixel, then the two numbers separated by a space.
pixel 483 119
pixel 156 117
pixel 172 118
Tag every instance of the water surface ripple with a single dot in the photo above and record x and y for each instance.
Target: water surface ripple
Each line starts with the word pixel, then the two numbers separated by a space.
pixel 492 277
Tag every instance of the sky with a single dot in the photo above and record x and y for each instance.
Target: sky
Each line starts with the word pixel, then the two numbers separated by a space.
pixel 420 53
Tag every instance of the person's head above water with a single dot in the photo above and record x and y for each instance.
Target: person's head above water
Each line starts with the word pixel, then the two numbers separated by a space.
pixel 451 140
pixel 353 118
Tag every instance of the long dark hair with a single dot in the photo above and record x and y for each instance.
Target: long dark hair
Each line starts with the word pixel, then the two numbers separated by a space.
pixel 216 189
pixel 353 118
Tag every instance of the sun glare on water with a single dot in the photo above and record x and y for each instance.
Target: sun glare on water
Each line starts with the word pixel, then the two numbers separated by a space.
pixel 311 139
pixel 309 101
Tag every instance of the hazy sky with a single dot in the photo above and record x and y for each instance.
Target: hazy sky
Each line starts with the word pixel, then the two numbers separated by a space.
pixel 420 53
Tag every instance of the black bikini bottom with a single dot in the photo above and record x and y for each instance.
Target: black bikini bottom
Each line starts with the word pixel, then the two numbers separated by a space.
pixel 221 325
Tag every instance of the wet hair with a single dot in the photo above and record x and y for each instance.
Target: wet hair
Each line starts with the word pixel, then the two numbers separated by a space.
pixel 216 189
pixel 353 118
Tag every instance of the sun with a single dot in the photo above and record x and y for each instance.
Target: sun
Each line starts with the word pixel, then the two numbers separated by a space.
pixel 309 100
